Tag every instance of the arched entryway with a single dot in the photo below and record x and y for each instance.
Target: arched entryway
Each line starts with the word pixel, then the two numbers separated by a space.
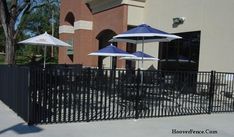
pixel 70 19
pixel 103 40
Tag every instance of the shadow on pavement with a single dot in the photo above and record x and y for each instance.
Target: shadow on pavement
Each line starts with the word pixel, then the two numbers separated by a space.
pixel 22 128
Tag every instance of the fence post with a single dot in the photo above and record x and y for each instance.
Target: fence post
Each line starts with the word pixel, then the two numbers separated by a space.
pixel 87 81
pixel 211 91
pixel 30 120
pixel 138 88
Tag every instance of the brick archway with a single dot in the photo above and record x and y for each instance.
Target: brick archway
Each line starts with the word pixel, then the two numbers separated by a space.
pixel 70 18
pixel 103 40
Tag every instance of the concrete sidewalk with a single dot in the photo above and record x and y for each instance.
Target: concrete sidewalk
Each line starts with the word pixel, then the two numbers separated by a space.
pixel 218 125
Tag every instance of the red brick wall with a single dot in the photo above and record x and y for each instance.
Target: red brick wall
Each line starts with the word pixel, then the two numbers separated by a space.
pixel 85 41
pixel 63 58
pixel 114 19
pixel 82 39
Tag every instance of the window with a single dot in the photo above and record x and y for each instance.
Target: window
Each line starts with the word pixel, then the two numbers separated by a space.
pixel 181 54
pixel 70 50
pixel 70 18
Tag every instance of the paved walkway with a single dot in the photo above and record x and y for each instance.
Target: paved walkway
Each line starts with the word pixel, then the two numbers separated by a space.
pixel 218 125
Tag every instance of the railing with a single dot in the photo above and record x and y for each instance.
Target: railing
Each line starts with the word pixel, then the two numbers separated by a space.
pixel 60 95
pixel 223 94
pixel 68 95
pixel 14 89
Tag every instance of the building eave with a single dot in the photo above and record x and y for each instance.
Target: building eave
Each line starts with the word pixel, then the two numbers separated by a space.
pixel 101 5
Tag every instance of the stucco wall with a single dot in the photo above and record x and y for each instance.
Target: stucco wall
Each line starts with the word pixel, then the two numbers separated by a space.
pixel 135 15
pixel 214 18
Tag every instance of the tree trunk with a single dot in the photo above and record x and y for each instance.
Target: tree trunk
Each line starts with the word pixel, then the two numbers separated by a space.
pixel 10 50
pixel 10 43
pixel 8 18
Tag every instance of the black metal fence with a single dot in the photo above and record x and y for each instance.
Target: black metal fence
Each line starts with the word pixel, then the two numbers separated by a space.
pixel 59 95
pixel 14 89
pixel 223 92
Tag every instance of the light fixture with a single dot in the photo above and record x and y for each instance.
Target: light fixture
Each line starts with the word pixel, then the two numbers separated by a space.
pixel 178 21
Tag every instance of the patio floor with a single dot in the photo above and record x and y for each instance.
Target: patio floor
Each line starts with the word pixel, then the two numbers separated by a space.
pixel 220 125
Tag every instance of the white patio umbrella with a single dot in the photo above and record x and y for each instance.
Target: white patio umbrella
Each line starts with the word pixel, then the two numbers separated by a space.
pixel 111 51
pixel 45 40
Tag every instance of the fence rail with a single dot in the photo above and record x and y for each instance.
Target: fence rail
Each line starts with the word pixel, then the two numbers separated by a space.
pixel 60 95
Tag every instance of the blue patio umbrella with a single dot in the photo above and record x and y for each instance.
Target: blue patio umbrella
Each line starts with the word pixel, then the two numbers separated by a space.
pixel 111 51
pixel 138 56
pixel 144 34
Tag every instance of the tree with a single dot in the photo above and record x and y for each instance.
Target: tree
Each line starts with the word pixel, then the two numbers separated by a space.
pixel 38 21
pixel 12 15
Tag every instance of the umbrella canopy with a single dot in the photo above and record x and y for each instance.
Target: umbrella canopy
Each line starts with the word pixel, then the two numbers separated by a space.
pixel 45 40
pixel 146 33
pixel 180 59
pixel 138 56
pixel 111 51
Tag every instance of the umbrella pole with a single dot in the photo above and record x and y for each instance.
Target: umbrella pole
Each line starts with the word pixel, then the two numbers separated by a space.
pixel 44 57
pixel 142 48
pixel 111 62
pixel 138 64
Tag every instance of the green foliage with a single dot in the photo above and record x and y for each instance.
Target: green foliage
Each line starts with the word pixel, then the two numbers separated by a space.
pixel 34 17
pixel 34 23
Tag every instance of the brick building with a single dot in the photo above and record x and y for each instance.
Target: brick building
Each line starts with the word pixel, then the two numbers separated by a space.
pixel 207 31
pixel 89 28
